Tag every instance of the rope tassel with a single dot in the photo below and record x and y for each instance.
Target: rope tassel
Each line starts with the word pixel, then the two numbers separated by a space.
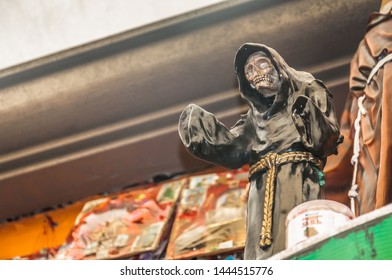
pixel 266 229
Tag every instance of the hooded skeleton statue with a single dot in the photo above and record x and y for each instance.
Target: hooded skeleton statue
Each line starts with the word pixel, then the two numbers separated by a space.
pixel 285 137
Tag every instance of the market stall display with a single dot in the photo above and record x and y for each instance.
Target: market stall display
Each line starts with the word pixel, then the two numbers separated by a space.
pixel 210 218
pixel 125 225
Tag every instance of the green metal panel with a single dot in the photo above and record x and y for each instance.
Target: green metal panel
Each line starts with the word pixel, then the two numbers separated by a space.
pixel 371 241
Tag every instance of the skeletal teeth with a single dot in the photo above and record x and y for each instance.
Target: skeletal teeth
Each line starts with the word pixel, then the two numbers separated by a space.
pixel 263 78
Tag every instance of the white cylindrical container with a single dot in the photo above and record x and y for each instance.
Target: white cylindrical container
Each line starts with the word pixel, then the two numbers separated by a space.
pixel 315 217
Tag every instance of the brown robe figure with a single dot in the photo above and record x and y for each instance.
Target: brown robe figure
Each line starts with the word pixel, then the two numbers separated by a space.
pixel 285 137
pixel 371 85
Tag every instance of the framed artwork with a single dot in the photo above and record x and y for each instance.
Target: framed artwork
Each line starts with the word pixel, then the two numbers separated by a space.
pixel 125 225
pixel 210 218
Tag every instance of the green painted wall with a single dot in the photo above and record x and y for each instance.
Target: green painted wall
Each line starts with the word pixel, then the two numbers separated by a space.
pixel 372 241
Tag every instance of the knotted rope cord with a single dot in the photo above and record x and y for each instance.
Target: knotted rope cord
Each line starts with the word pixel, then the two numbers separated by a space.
pixel 353 192
pixel 270 162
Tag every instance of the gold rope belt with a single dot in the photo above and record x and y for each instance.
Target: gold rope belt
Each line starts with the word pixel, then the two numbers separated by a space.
pixel 270 162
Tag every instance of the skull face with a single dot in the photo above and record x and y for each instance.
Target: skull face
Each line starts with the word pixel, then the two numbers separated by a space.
pixel 261 74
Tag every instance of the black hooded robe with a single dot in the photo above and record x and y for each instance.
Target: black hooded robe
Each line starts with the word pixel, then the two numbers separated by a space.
pixel 300 117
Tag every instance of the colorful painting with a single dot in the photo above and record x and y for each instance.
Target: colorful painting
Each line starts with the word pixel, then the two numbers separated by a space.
pixel 210 219
pixel 128 224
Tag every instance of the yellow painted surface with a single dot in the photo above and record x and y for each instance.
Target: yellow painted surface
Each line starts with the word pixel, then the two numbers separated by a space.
pixel 28 235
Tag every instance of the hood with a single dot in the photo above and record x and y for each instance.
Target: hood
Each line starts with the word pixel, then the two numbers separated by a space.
pixel 375 46
pixel 291 79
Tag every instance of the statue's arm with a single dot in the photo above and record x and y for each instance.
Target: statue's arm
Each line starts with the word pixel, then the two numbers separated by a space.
pixel 208 139
pixel 315 119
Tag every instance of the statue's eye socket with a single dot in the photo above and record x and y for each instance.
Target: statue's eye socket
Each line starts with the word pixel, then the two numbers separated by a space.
pixel 249 70
pixel 264 65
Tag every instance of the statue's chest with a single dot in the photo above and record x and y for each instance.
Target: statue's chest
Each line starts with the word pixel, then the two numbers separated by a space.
pixel 275 132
